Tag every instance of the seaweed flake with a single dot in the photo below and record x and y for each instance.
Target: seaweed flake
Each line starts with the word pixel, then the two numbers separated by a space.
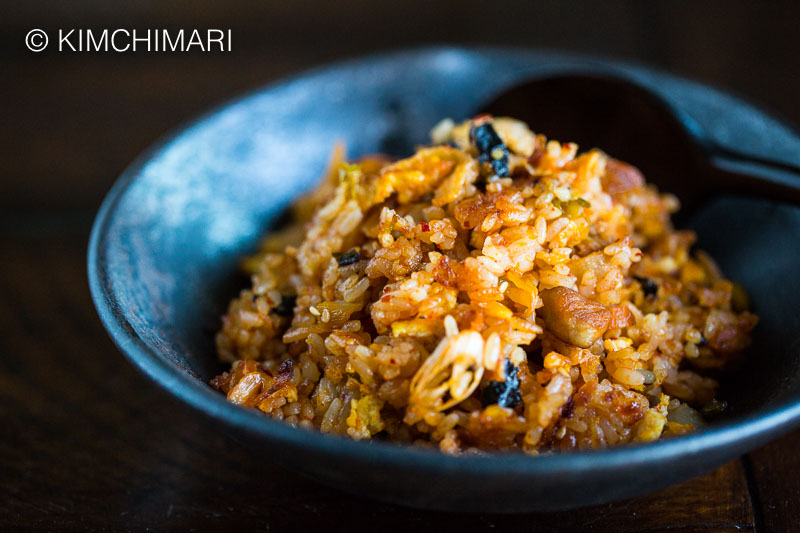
pixel 348 258
pixel 491 148
pixel 504 393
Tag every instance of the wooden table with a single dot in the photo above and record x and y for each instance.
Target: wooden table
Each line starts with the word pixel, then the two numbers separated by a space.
pixel 89 444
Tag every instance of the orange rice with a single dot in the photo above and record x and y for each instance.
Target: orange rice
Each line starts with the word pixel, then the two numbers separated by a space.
pixel 493 291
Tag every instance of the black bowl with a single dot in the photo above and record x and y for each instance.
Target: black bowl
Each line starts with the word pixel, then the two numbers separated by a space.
pixel 165 246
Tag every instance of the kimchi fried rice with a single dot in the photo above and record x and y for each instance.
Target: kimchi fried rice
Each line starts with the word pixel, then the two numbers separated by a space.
pixel 494 291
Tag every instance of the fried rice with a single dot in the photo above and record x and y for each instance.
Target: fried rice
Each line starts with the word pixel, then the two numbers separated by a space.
pixel 494 291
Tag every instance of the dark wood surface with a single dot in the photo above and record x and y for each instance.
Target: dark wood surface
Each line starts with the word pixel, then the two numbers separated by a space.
pixel 89 444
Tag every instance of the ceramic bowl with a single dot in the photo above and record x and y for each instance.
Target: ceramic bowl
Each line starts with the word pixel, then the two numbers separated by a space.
pixel 164 252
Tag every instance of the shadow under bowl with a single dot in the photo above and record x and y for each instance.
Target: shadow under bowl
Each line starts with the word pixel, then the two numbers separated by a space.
pixel 164 252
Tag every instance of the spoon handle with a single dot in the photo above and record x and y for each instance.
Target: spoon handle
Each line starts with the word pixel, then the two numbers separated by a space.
pixel 756 178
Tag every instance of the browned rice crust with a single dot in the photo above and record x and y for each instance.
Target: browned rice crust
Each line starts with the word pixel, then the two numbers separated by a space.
pixel 431 301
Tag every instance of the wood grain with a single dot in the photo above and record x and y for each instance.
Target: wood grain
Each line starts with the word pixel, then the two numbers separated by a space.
pixel 89 444
pixel 76 120
pixel 774 470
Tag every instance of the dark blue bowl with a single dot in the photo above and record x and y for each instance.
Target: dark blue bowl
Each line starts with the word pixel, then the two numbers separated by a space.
pixel 165 246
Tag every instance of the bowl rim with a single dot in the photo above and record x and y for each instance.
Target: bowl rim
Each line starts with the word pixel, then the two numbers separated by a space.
pixel 740 434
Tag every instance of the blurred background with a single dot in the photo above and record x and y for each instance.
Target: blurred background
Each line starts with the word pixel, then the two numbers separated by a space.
pixel 84 116
pixel 88 443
